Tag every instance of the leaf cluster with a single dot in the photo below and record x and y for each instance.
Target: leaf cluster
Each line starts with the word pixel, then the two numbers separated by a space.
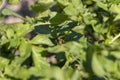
pixel 82 34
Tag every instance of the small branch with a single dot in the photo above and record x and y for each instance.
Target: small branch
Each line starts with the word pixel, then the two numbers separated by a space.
pixel 38 24
pixel 3 5
pixel 116 37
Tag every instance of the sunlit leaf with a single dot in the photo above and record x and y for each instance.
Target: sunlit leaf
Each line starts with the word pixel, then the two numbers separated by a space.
pixel 42 39
pixel 83 35
pixel 97 67
pixel 38 60
pixel 25 48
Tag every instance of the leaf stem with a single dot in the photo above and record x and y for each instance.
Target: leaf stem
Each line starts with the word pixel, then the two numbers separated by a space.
pixel 116 37
pixel 3 5
pixel 38 24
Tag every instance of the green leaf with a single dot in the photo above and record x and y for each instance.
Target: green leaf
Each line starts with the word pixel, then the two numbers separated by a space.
pixel 14 1
pixel 25 48
pixel 115 8
pixel 23 29
pixel 38 60
pixel 97 67
pixel 106 64
pixel 3 63
pixel 77 4
pixel 35 71
pixel 63 2
pixel 58 18
pixel 10 12
pixel 14 43
pixel 24 53
pixel 17 72
pixel 41 39
pixel 3 40
pixel 79 29
pixel 116 54
pixel 101 4
pixel 42 5
pixel 117 17
pixel 74 9
pixel 10 33
pixel 71 11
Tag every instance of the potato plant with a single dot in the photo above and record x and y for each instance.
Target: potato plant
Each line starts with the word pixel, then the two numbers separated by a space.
pixel 65 40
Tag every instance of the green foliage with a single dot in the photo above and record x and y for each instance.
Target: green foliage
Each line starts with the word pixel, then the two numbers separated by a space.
pixel 83 34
